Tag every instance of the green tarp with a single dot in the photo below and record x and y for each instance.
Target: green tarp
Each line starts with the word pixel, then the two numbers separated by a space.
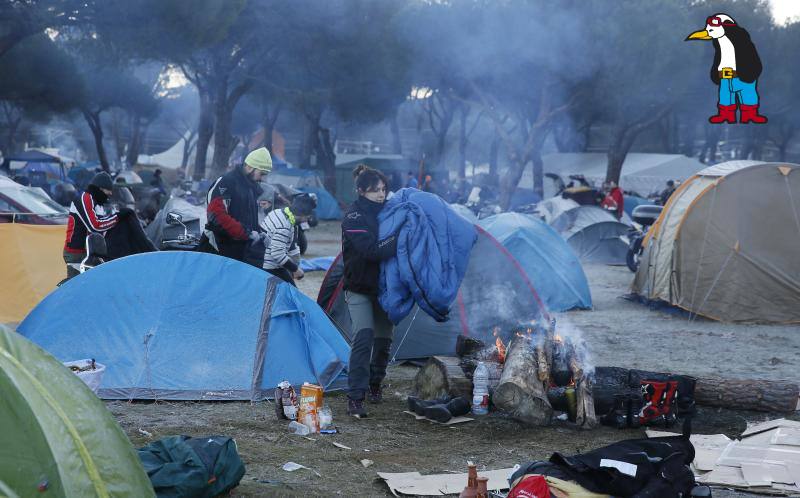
pixel 56 437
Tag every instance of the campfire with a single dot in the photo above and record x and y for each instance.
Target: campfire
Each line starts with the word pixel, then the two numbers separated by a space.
pixel 532 375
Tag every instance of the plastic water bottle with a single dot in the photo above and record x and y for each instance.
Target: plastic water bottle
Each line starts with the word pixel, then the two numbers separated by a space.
pixel 480 390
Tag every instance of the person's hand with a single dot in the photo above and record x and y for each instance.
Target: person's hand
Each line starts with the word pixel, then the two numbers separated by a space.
pixel 255 236
pixel 299 274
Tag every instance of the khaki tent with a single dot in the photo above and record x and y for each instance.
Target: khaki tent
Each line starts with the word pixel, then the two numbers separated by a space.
pixel 726 245
pixel 30 266
pixel 56 437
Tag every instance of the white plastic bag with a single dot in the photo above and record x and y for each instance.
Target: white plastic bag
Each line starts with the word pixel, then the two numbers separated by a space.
pixel 92 378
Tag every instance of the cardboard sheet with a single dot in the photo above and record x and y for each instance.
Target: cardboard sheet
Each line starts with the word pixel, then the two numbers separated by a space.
pixel 771 424
pixel 766 459
pixel 414 483
pixel 454 420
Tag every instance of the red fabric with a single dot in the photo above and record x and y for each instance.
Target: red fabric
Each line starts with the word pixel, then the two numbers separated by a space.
pixel 532 486
pixel 226 221
pixel 616 194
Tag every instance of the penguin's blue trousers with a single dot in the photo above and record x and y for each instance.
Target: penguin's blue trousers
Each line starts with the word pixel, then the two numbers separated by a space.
pixel 729 89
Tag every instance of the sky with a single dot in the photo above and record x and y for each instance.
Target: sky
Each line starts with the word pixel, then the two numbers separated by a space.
pixel 783 9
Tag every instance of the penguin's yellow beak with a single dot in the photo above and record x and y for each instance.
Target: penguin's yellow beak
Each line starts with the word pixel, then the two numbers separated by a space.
pixel 699 35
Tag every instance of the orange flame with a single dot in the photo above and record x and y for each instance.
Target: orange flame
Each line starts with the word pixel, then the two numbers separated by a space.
pixel 501 350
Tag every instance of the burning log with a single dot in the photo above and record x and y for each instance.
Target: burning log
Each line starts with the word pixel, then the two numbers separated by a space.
pixel 520 392
pixel 442 376
pixel 542 363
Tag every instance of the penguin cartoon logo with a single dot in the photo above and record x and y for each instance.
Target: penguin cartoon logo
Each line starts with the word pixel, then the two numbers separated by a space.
pixel 736 69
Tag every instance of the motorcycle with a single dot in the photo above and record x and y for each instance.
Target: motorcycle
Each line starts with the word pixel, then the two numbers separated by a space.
pixel 644 215
pixel 182 242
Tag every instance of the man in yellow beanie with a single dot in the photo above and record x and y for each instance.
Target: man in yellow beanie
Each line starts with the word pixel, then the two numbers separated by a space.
pixel 233 209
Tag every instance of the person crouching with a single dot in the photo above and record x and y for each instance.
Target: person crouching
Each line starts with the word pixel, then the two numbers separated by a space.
pixel 281 226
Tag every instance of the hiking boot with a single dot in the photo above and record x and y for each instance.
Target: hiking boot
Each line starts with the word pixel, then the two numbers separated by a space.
pixel 355 407
pixel 375 394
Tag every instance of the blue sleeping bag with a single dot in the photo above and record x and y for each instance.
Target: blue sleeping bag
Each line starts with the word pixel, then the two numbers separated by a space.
pixel 433 247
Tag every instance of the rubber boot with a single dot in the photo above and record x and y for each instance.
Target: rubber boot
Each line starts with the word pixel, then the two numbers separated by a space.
pixel 444 412
pixel 418 405
pixel 749 113
pixel 727 114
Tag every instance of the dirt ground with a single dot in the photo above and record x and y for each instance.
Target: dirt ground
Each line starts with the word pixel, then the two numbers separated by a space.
pixel 619 332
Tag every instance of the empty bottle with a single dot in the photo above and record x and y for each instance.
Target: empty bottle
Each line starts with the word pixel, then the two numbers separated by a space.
pixel 483 487
pixel 471 491
pixel 480 390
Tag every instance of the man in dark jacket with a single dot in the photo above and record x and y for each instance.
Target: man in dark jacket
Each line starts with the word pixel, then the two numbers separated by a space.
pixel 233 209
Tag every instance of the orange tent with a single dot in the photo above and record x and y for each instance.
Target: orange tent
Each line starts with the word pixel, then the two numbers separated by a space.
pixel 31 265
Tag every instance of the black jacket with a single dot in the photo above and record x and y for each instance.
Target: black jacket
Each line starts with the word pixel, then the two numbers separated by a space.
pixel 748 63
pixel 233 211
pixel 361 250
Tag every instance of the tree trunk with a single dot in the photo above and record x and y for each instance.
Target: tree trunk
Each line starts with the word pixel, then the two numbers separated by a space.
pixel 326 158
pixel 205 129
pixel 462 142
pixel 116 135
pixel 442 376
pixel 189 143
pixel 223 141
pixel 709 154
pixel 397 143
pixel 269 118
pixel 621 143
pixel 95 125
pixel 538 175
pixel 9 144
pixel 135 143
pixel 756 395
pixel 520 392
pixel 494 152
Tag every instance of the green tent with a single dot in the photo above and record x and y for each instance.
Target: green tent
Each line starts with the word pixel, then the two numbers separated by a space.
pixel 56 437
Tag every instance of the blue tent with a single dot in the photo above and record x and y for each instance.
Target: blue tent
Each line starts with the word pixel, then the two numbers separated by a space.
pixel 327 207
pixel 189 326
pixel 546 258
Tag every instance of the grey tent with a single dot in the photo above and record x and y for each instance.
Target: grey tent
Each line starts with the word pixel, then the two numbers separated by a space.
pixel 726 245
pixel 594 234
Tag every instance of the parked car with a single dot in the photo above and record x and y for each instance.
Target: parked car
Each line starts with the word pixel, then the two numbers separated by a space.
pixel 21 204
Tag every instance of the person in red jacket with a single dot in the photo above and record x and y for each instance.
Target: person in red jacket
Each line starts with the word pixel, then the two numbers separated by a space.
pixel 88 214
pixel 614 200
pixel 233 207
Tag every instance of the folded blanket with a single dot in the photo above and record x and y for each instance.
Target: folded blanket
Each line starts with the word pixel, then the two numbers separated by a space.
pixel 433 248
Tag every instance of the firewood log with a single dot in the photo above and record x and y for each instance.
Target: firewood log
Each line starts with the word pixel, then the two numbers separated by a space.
pixel 756 395
pixel 442 376
pixel 520 393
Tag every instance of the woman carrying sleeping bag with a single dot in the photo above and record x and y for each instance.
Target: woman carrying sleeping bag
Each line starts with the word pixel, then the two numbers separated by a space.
pixel 362 253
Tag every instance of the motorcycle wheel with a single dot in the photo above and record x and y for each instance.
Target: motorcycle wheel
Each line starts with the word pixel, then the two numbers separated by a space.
pixel 634 252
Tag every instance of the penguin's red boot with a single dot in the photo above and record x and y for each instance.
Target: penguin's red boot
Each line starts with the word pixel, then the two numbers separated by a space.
pixel 749 113
pixel 727 114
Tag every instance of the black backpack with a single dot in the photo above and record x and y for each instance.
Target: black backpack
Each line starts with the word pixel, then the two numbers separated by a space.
pixel 184 467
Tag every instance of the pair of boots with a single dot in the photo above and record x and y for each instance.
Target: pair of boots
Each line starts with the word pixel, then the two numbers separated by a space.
pixel 440 410
pixel 727 114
